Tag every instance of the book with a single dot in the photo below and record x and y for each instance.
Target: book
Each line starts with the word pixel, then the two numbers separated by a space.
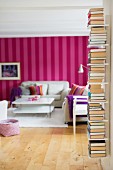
pixel 96 126
pixel 97 143
pixel 96 112
pixel 97 91
pixel 95 155
pixel 98 37
pixel 96 148
pixel 96 151
pixel 95 12
pixel 94 70
pixel 101 35
pixel 100 133
pixel 95 105
pixel 96 9
pixel 96 130
pixel 96 43
pixel 96 117
pixel 95 15
pixel 97 74
pixel 97 94
pixel 99 28
pixel 97 71
pixel 98 54
pixel 97 68
pixel 97 136
pixel 97 50
pixel 93 22
pixel 96 123
pixel 98 32
pixel 93 129
pixel 95 108
pixel 97 40
pixel 100 61
pixel 95 86
pixel 95 80
pixel 96 18
pixel 97 97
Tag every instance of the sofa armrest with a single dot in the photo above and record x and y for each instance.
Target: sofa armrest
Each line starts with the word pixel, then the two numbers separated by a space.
pixel 65 93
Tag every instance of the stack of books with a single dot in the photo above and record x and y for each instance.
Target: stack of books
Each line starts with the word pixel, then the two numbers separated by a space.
pixel 95 112
pixel 96 74
pixel 97 148
pixel 96 78
pixel 98 33
pixel 97 61
pixel 96 93
pixel 97 38
pixel 96 16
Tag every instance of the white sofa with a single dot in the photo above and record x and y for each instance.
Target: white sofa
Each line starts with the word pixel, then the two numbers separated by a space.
pixel 55 89
pixel 3 109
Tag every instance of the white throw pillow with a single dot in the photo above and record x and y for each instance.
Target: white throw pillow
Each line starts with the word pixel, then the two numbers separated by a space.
pixel 85 93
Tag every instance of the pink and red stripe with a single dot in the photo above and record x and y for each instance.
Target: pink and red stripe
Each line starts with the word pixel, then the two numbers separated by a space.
pixel 44 58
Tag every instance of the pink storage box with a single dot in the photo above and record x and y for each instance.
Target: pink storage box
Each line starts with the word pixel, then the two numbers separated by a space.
pixel 9 127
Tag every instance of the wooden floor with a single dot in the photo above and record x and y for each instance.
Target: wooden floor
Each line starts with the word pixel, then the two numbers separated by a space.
pixel 47 149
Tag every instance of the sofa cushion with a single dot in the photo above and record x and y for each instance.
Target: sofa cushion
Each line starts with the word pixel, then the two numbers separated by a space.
pixel 27 83
pixel 44 88
pixel 55 89
pixel 25 91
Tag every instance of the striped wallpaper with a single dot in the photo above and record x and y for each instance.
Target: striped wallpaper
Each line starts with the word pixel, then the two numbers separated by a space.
pixel 44 58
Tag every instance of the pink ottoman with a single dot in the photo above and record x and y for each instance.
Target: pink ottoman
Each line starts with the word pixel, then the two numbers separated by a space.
pixel 9 127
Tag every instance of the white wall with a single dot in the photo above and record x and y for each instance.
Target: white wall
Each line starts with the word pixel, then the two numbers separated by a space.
pixel 50 3
pixel 44 17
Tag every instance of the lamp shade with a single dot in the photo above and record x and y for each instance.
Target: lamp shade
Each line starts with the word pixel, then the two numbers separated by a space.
pixel 81 70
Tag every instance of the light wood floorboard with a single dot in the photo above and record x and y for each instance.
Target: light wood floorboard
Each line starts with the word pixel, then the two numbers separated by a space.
pixel 47 149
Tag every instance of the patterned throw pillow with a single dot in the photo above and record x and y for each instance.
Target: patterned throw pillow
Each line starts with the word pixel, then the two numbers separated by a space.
pixel 36 90
pixel 79 90
pixel 32 90
pixel 39 90
pixel 74 87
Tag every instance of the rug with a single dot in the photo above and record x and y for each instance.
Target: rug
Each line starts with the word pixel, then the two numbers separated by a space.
pixel 39 119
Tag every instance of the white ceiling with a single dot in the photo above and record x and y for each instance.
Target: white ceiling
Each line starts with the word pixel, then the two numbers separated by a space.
pixel 29 18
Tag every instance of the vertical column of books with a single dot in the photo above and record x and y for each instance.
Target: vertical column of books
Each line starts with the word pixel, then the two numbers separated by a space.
pixel 97 44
